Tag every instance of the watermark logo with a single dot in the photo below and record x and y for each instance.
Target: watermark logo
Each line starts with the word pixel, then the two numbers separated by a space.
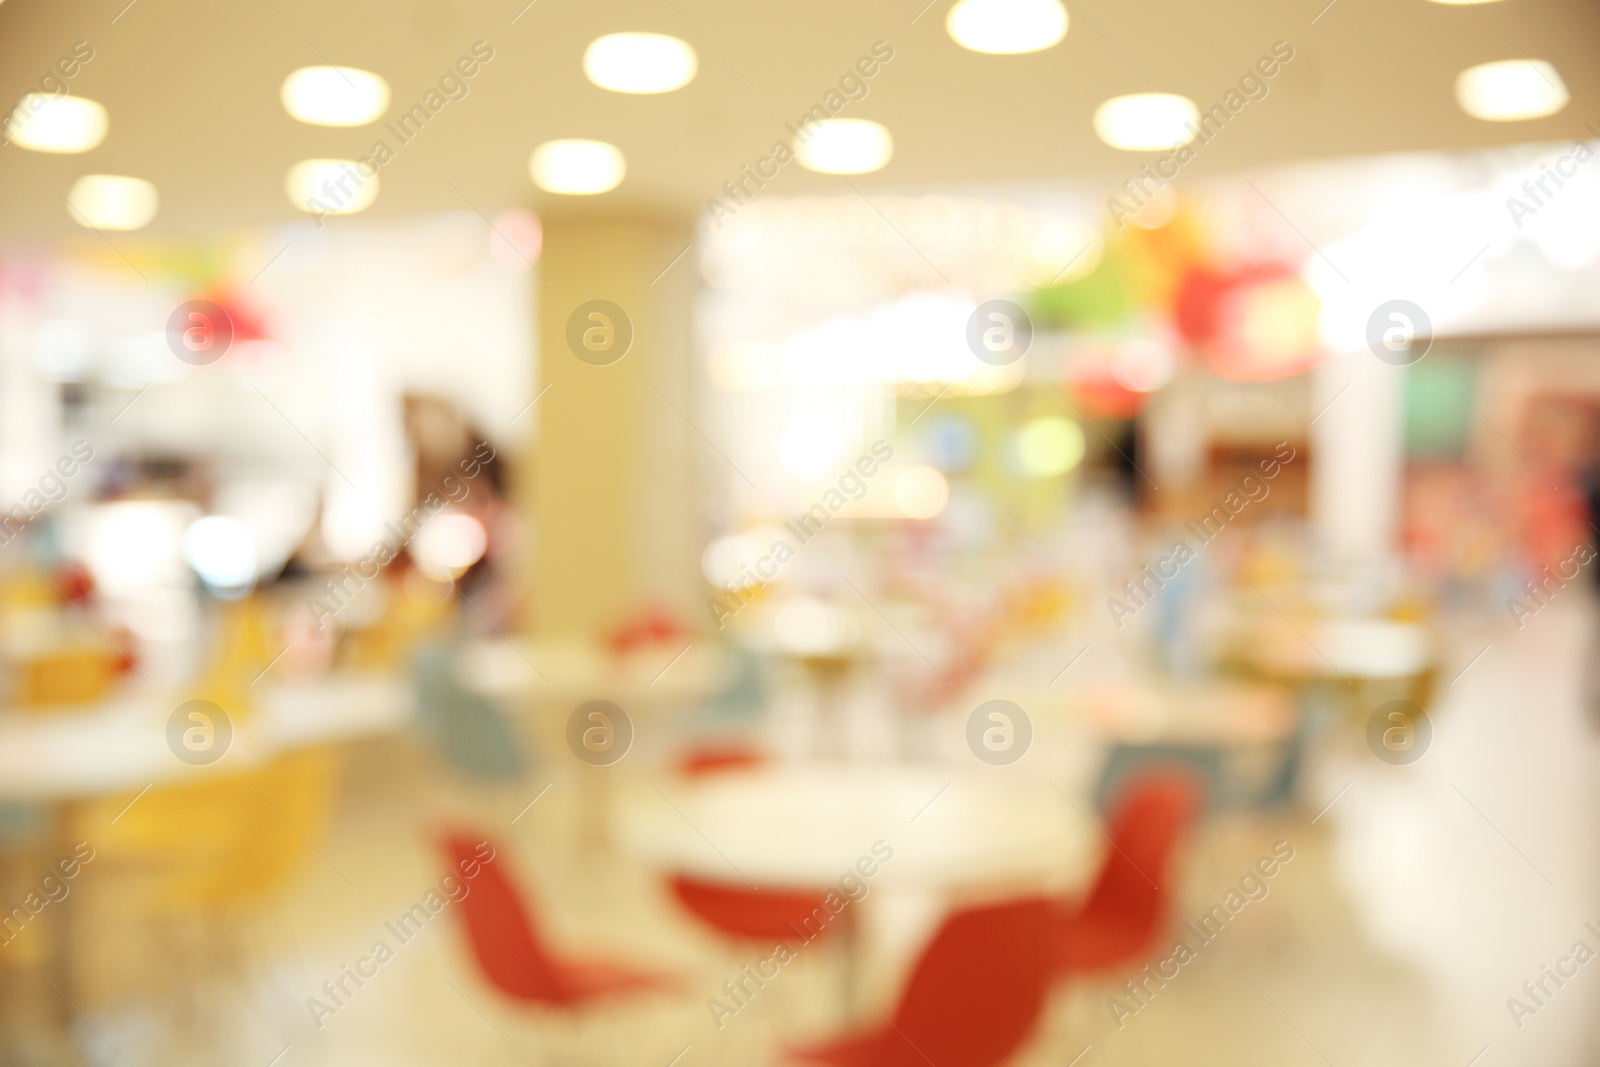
pixel 599 733
pixel 999 332
pixel 1399 733
pixel 999 732
pixel 199 732
pixel 599 332
pixel 1399 332
pixel 199 332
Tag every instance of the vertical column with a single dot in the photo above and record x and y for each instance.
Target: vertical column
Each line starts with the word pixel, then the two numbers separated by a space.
pixel 614 507
pixel 1358 455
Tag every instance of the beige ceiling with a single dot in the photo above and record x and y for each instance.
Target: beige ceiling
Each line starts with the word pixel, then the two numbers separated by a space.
pixel 192 88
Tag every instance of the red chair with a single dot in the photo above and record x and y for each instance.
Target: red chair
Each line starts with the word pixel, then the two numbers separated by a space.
pixel 1125 911
pixel 700 762
pixel 506 944
pixel 973 997
pixel 758 914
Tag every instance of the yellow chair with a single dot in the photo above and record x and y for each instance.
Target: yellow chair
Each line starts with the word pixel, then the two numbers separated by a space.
pixel 224 844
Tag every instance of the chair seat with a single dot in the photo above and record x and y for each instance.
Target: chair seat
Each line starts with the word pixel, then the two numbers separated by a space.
pixel 592 979
pixel 1090 945
pixel 511 954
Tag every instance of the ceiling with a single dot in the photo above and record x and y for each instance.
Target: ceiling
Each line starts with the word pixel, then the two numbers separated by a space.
pixel 192 89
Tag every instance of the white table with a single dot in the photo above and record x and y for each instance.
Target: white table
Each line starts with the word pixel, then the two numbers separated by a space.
pixel 957 834
pixel 1339 648
pixel 121 745
pixel 570 672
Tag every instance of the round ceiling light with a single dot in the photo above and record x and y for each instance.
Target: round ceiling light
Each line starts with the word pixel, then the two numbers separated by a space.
pixel 1146 122
pixel 845 146
pixel 335 96
pixel 640 63
pixel 1511 90
pixel 112 202
pixel 1006 27
pixel 330 186
pixel 577 167
pixel 46 123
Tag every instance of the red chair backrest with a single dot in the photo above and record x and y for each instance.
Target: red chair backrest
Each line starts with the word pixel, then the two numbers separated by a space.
pixel 501 931
pixel 1152 817
pixel 976 992
pixel 701 762
pixel 784 915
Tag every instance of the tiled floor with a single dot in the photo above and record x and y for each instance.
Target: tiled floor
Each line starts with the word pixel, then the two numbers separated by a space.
pixel 1413 908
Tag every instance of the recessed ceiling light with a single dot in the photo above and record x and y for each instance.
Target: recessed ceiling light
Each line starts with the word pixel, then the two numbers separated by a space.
pixel 330 186
pixel 48 123
pixel 112 202
pixel 335 96
pixel 640 63
pixel 1511 89
pixel 1146 122
pixel 1006 27
pixel 845 146
pixel 577 167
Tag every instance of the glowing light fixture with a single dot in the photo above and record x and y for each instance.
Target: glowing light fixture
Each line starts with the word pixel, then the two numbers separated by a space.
pixel 46 123
pixel 1511 90
pixel 334 96
pixel 448 544
pixel 112 202
pixel 330 186
pixel 576 167
pixel 1048 447
pixel 640 63
pixel 921 492
pixel 133 546
pixel 1146 122
pixel 845 146
pixel 223 553
pixel 1006 27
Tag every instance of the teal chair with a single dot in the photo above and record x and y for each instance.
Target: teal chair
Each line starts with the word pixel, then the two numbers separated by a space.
pixel 473 735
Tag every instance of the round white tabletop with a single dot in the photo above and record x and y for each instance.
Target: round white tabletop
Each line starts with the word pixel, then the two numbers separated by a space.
pixel 807 825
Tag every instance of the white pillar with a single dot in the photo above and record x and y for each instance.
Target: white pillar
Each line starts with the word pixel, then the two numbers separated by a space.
pixel 1358 454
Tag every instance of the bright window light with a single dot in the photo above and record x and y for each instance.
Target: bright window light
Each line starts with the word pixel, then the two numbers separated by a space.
pixel 223 553
pixel 1511 90
pixel 845 146
pixel 1048 447
pixel 1006 27
pixel 448 544
pixel 330 186
pixel 335 96
pixel 921 492
pixel 577 167
pixel 640 63
pixel 47 123
pixel 112 202
pixel 1146 122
